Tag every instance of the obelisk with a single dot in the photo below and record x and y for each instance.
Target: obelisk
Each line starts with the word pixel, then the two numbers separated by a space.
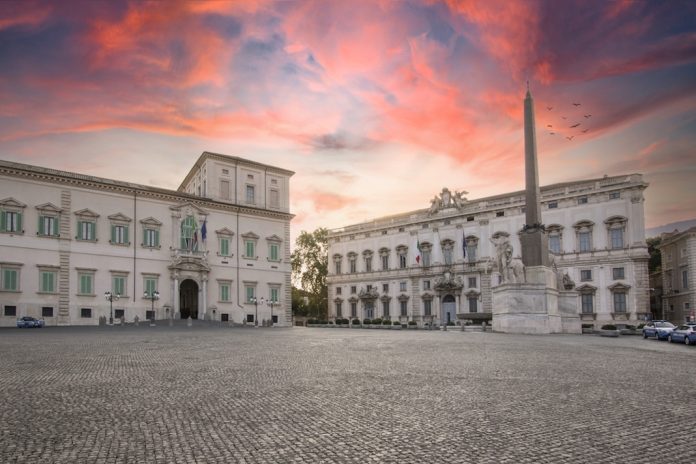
pixel 533 237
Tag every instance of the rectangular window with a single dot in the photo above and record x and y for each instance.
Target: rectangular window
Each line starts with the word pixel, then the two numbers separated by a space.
pixel 585 275
pixel 614 195
pixel 250 293
pixel 119 234
pixel 619 302
pixel 275 199
pixel 472 282
pixel 250 194
pixel 225 189
pixel 353 289
pixel 404 308
pixel 339 309
pixel 151 238
pixel 385 263
pixel 249 248
pixel 385 288
pixel 86 312
pixel 118 285
pixel 10 310
pixel 369 287
pixel 150 285
pixel 553 204
pixel 473 305
pixel 426 285
pixel 555 243
pixel 500 213
pixel 274 252
pixel 85 284
pixel 584 241
pixel 426 258
pixel 582 200
pixel 587 304
pixel 150 315
pixel 224 247
pixel 353 310
pixel 616 238
pixel 47 281
pixel 10 280
pixel 12 221
pixel 47 311
pixel 86 230
pixel 352 266
pixel 338 290
pixel 617 273
pixel 337 264
pixel 368 264
pixel 448 256
pixel 48 226
pixel 119 313
pixel 427 307
pixel 224 292
pixel 685 279
pixel 402 286
pixel 402 261
pixel 385 309
pixel 471 253
pixel 470 219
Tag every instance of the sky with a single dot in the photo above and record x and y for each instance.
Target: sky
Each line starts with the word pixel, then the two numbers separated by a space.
pixel 376 105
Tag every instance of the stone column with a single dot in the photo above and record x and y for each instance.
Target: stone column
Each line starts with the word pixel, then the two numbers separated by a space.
pixel 204 283
pixel 176 310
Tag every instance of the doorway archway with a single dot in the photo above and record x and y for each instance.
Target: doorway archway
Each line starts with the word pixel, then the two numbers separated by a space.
pixel 188 299
pixel 449 309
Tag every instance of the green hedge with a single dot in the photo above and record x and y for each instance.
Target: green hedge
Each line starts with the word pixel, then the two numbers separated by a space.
pixel 609 327
pixel 367 321
pixel 412 323
pixel 356 321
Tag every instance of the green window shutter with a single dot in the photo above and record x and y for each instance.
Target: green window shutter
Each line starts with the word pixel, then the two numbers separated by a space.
pixel 51 282
pixel 125 234
pixel 19 222
pixel 41 225
pixel 250 249
pixel 224 247
pixel 92 231
pixel 79 230
pixel 56 220
pixel 274 252
pixel 3 215
pixel 113 234
pixel 13 280
pixel 82 284
pixel 156 238
pixel 44 281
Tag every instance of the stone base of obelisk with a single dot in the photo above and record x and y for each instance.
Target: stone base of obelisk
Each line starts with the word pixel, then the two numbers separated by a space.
pixel 531 307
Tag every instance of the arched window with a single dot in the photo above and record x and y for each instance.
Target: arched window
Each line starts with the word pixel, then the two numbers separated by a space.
pixel 616 225
pixel 189 234
pixel 555 232
pixel 448 251
pixel 583 232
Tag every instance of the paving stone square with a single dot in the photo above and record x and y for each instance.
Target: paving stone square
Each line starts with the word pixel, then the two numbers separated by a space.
pixel 299 395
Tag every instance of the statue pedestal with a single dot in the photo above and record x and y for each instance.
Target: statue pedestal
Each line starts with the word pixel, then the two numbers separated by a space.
pixel 531 307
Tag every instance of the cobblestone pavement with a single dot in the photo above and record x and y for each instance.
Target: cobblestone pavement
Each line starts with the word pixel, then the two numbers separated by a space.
pixel 227 395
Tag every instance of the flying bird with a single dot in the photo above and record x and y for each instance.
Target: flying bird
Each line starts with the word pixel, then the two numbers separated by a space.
pixel 576 104
pixel 574 126
pixel 549 125
pixel 587 116
pixel 549 108
pixel 585 130
pixel 552 133
pixel 571 137
pixel 564 117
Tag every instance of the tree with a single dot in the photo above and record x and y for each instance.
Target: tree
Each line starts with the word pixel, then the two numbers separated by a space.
pixel 655 261
pixel 310 265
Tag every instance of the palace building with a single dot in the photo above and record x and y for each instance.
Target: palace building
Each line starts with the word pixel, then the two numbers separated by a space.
pixel 217 248
pixel 436 265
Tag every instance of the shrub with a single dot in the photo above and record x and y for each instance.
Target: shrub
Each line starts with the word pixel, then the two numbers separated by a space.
pixel 630 327
pixel 609 327
pixel 450 323
pixel 412 323
pixel 588 326
pixel 311 321
pixel 377 321
pixel 367 321
pixel 641 325
pixel 356 321
pixel 396 323
pixel 386 322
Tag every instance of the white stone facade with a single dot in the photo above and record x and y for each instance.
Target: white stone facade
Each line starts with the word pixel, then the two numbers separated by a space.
pixel 595 228
pixel 67 238
pixel 678 250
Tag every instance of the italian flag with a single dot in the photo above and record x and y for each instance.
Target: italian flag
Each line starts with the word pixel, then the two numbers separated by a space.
pixel 418 254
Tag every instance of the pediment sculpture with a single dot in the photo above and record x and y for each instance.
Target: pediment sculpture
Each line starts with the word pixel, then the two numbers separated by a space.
pixel 447 199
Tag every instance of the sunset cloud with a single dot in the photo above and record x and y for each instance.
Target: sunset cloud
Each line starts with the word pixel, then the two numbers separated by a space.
pixel 366 99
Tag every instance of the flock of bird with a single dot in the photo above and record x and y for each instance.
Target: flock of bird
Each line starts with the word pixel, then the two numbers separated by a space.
pixel 553 131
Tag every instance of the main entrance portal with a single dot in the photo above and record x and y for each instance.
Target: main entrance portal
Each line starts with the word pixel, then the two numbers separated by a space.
pixel 188 299
pixel 449 309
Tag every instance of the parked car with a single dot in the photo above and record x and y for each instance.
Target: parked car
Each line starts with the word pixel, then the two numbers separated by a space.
pixel 658 329
pixel 685 333
pixel 29 322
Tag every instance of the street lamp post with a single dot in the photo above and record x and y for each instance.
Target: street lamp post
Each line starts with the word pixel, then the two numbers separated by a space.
pixel 272 303
pixel 255 302
pixel 110 297
pixel 152 297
